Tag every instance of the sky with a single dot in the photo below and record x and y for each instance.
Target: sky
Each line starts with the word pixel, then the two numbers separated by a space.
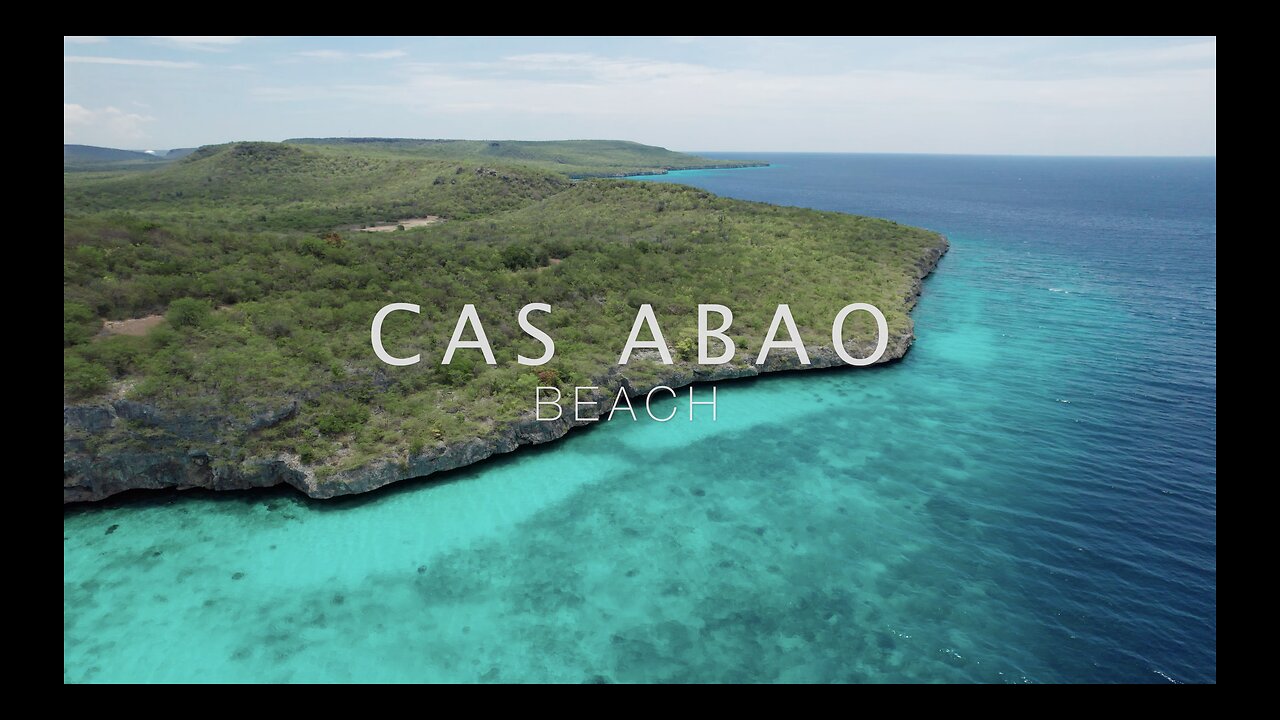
pixel 1023 96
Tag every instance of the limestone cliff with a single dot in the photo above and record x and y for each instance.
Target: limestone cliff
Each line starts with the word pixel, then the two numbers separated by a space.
pixel 168 450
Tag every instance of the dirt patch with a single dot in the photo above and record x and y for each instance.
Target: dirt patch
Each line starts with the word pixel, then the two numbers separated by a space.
pixel 133 326
pixel 408 223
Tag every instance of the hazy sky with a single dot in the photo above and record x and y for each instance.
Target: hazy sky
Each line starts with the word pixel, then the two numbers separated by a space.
pixel 1086 96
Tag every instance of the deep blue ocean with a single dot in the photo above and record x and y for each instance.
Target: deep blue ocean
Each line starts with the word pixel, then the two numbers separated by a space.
pixel 1030 496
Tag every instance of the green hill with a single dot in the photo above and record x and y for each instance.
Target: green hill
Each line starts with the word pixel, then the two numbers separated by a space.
pixel 280 186
pixel 260 370
pixel 576 158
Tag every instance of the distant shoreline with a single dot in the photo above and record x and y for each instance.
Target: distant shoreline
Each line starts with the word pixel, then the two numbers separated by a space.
pixel 668 171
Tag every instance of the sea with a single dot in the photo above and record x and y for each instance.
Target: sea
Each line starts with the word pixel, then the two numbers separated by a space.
pixel 1030 496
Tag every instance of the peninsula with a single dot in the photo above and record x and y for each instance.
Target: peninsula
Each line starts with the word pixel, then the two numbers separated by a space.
pixel 216 305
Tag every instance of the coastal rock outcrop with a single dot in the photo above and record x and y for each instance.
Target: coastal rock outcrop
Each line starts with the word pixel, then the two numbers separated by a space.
pixel 162 449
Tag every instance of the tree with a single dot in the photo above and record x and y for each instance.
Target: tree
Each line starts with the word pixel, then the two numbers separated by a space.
pixel 188 312
pixel 517 255
pixel 81 378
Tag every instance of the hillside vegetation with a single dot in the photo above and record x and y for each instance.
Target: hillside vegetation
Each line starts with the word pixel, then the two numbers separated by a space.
pixel 575 158
pixel 288 187
pixel 268 292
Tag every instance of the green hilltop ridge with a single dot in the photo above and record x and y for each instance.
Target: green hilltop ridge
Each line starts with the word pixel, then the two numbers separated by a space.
pixel 246 292
pixel 291 187
pixel 575 158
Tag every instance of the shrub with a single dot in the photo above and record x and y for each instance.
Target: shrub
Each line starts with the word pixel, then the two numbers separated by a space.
pixel 78 323
pixel 277 328
pixel 459 371
pixel 557 248
pixel 74 312
pixel 81 378
pixel 344 418
pixel 188 312
pixel 117 355
pixel 516 256
pixel 74 334
pixel 687 349
pixel 162 337
pixel 311 246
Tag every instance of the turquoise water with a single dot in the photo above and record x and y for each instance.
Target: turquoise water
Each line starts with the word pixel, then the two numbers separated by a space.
pixel 1029 497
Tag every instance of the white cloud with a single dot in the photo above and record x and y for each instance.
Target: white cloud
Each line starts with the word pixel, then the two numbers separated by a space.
pixel 1201 53
pixel 107 126
pixel 99 60
pixel 1025 95
pixel 344 55
pixel 219 43
pixel 84 39
pixel 322 54
pixel 1129 109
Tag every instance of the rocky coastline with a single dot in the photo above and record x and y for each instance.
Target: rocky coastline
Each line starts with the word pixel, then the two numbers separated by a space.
pixel 190 457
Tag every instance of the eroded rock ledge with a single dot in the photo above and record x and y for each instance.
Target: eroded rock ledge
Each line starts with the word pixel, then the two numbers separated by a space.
pixel 189 456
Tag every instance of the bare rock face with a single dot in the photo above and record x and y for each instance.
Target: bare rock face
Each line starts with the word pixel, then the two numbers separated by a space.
pixel 168 450
pixel 178 451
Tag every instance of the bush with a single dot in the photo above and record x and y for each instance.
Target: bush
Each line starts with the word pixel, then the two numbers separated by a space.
pixel 74 334
pixel 557 248
pixel 78 323
pixel 117 355
pixel 344 418
pixel 81 378
pixel 188 312
pixel 74 312
pixel 687 349
pixel 277 328
pixel 517 255
pixel 312 246
pixel 459 371
pixel 161 337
